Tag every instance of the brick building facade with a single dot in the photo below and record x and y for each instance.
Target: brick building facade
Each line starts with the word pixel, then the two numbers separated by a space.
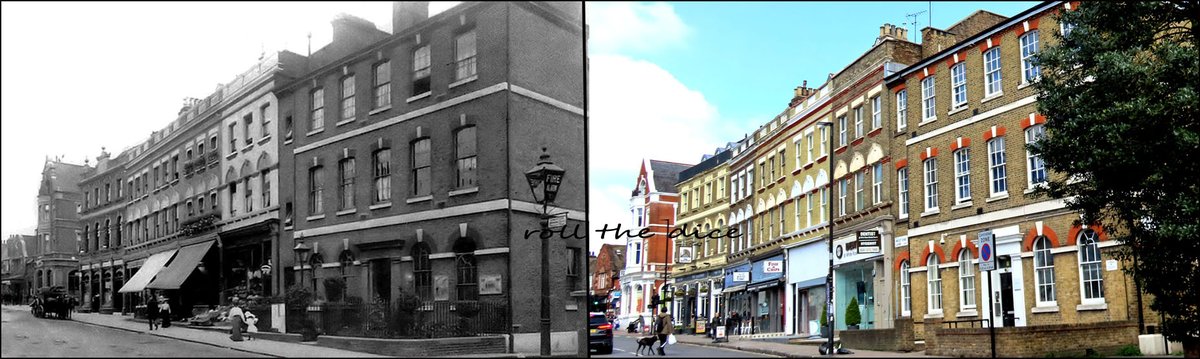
pixel 653 208
pixel 703 207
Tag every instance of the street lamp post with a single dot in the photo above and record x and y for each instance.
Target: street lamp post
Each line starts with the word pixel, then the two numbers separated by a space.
pixel 548 176
pixel 829 278
pixel 302 252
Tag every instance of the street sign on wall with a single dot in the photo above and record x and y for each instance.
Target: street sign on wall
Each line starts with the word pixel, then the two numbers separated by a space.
pixel 741 276
pixel 987 251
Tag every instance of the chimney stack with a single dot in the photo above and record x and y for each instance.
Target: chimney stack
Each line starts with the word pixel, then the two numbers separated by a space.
pixel 405 14
pixel 893 31
pixel 802 93
pixel 346 26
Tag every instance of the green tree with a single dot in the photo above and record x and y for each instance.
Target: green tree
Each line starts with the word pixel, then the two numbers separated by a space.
pixel 1119 93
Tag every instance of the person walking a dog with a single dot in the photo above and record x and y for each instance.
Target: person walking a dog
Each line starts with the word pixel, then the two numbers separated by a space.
pixel 664 326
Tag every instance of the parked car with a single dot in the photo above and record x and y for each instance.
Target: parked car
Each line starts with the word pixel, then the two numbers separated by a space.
pixel 600 333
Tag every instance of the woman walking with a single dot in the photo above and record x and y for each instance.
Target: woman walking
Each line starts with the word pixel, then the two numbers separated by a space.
pixel 164 311
pixel 237 318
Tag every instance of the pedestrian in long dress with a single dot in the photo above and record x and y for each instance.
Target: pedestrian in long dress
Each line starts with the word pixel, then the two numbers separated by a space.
pixel 152 311
pixel 164 311
pixel 238 319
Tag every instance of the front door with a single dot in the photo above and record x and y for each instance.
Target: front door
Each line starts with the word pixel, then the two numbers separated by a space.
pixel 1006 300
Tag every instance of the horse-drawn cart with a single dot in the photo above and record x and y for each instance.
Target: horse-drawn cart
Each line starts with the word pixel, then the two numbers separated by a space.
pixel 53 301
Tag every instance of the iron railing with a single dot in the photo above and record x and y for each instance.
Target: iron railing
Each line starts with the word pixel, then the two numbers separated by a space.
pixel 966 323
pixel 433 319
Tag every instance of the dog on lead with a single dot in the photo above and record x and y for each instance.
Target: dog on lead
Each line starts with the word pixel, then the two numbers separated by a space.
pixel 646 343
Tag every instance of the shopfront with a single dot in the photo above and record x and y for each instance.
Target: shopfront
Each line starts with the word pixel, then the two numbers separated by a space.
pixel 736 298
pixel 767 294
pixel 854 276
pixel 807 268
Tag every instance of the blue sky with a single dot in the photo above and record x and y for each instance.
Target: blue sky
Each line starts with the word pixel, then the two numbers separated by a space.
pixel 672 81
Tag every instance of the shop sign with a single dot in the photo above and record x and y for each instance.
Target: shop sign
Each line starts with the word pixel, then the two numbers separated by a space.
pixel 901 241
pixel 868 242
pixel 741 276
pixel 685 255
pixel 773 267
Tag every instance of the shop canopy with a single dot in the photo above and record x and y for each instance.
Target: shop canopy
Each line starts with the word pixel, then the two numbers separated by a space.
pixel 181 267
pixel 153 265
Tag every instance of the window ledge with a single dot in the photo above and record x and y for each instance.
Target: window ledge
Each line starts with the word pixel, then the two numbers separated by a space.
pixel 903 217
pixel 463 191
pixel 343 122
pixel 381 109
pixel 316 217
pixel 346 211
pixel 997 197
pixel 875 132
pixel 840 149
pixel 962 205
pixel 264 139
pixel 1047 309
pixel 1024 84
pixel 463 81
pixel 418 199
pixel 231 155
pixel 901 131
pixel 958 109
pixel 857 141
pixel 1034 187
pixel 418 97
pixel 316 131
pixel 937 315
pixel 1097 306
pixel 287 141
pixel 288 228
pixel 926 121
pixel 967 313
pixel 380 205
pixel 248 147
pixel 930 213
pixel 992 97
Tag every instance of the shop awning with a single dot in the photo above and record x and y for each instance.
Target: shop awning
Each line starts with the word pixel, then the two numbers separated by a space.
pixel 153 265
pixel 181 267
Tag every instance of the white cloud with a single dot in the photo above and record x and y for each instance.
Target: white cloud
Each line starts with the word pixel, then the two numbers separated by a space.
pixel 633 27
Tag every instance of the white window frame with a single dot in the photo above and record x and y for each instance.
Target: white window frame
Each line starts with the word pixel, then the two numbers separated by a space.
pixel 992 78
pixel 934 285
pixel 858 123
pixel 931 190
pixel 958 85
pixel 962 175
pixel 1043 262
pixel 860 190
pixel 928 99
pixel 1034 163
pixel 997 170
pixel 843 185
pixel 808 138
pixel 877 184
pixel 1092 245
pixel 902 189
pixel 876 112
pixel 901 110
pixel 905 289
pixel 809 222
pixel 824 143
pixel 843 139
pixel 824 199
pixel 1030 72
pixel 966 281
pixel 800 154
pixel 637 258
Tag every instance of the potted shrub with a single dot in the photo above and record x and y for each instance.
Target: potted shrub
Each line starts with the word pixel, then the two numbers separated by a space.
pixel 853 317
pixel 308 330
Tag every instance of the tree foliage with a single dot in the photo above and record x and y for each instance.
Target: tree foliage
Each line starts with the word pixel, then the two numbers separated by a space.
pixel 1119 94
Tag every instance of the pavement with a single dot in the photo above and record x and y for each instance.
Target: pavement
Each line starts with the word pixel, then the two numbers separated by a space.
pixel 777 348
pixel 212 338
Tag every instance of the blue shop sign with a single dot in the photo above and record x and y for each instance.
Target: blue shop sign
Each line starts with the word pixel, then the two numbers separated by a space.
pixel 767 269
pixel 729 273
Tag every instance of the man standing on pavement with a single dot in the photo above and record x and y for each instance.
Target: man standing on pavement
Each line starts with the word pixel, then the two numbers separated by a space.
pixel 663 327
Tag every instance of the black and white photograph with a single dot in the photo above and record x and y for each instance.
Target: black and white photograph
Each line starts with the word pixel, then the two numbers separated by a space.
pixel 293 179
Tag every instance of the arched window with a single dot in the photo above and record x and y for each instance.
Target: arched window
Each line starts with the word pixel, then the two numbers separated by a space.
pixel 721 236
pixel 966 280
pixel 467 269
pixel 1091 275
pixel 707 229
pixel 422 271
pixel 905 290
pixel 38 278
pixel 107 232
pixel 934 276
pixel 120 223
pixel 1043 268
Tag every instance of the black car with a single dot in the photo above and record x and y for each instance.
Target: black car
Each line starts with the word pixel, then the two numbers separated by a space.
pixel 600 334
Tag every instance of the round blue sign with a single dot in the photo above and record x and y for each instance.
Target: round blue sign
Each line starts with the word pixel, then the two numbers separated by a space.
pixel 985 252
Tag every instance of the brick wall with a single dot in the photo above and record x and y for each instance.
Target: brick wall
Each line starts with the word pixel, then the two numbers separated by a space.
pixel 1035 341
pixel 899 338
pixel 418 347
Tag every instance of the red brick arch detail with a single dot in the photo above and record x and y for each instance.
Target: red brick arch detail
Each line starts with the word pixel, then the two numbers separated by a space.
pixel 1071 240
pixel 958 248
pixel 900 258
pixel 936 249
pixel 1046 231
